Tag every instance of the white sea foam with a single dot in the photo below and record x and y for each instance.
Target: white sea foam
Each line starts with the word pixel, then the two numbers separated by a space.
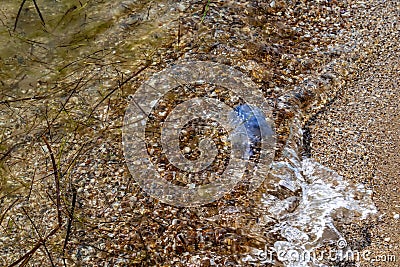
pixel 324 193
pixel 305 219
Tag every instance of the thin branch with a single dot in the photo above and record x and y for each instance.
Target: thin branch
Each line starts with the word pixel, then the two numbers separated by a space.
pixel 18 14
pixel 71 217
pixel 67 100
pixel 9 207
pixel 40 237
pixel 24 259
pixel 65 14
pixel 30 188
pixel 23 99
pixel 38 11
pixel 77 60
pixel 57 181
pixel 8 152
pixel 119 86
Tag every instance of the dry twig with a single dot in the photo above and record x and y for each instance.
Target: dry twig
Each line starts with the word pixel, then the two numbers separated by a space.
pixel 25 258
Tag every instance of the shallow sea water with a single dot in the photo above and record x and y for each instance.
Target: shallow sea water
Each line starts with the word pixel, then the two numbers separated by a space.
pixel 69 79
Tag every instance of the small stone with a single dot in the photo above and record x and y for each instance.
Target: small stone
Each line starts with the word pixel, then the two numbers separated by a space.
pixel 387 239
pixel 396 216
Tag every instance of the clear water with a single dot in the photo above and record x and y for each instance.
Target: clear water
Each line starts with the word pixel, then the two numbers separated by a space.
pixel 94 45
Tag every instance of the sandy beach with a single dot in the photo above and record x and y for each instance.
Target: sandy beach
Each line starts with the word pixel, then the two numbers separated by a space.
pixel 359 134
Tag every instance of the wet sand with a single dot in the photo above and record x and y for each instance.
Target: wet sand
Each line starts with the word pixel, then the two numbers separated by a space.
pixel 359 134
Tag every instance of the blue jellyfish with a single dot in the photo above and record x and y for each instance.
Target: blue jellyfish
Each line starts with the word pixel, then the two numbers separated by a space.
pixel 256 125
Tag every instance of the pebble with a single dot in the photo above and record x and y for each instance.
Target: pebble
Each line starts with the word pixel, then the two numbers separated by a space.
pixel 225 35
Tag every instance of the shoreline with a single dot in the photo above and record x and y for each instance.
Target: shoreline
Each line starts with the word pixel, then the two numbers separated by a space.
pixel 358 135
